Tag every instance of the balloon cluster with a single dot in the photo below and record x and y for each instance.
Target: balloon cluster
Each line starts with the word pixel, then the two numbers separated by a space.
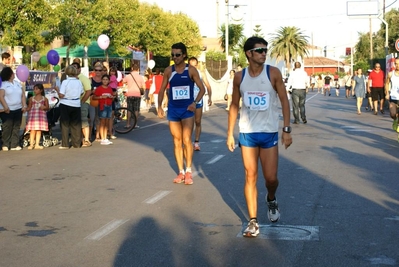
pixel 53 58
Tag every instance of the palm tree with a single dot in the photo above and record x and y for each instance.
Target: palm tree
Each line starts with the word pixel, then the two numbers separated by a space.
pixel 235 35
pixel 288 43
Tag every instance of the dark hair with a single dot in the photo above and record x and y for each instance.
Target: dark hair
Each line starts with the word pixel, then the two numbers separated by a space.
pixel 40 86
pixel 105 76
pixel 135 67
pixel 114 70
pixel 6 74
pixel 182 47
pixel 76 64
pixel 5 55
pixel 252 41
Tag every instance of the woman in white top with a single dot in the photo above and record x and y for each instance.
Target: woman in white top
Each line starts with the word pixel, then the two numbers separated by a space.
pixel 12 105
pixel 70 119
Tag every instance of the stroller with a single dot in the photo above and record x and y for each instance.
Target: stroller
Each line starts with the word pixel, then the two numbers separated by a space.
pixel 47 136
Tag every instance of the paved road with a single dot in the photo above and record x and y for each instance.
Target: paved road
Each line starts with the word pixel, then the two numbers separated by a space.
pixel 117 205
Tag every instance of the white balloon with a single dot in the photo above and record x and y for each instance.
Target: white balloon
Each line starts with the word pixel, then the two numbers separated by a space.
pixel 119 76
pixel 151 64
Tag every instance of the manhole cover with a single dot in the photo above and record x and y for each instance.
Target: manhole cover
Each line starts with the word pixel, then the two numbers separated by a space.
pixel 286 232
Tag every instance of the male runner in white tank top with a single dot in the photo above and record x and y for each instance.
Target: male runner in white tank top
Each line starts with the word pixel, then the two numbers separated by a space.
pixel 260 86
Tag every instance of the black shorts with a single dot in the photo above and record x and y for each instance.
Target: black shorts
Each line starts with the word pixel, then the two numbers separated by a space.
pixel 377 93
pixel 348 87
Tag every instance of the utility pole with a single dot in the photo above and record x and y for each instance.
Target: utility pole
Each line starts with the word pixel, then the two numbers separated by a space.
pixel 371 41
pixel 226 31
pixel 312 55
pixel 217 18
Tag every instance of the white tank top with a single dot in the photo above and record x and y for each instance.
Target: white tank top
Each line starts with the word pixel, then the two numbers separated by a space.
pixel 394 93
pixel 259 112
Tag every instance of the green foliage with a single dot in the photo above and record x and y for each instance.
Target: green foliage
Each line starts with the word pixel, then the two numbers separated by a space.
pixel 23 23
pixel 258 31
pixel 288 43
pixel 362 48
pixel 364 65
pixel 235 36
pixel 215 55
pixel 147 27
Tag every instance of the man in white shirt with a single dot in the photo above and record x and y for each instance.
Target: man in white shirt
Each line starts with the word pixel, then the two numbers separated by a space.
pixel 298 80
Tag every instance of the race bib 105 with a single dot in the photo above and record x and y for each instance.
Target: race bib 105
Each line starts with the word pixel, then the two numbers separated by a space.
pixel 257 100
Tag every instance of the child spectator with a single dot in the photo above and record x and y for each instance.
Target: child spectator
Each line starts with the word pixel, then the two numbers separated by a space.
pixel 37 118
pixel 113 73
pixel 105 97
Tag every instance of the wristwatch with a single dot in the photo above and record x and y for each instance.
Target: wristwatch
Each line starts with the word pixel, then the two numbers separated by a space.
pixel 196 102
pixel 287 129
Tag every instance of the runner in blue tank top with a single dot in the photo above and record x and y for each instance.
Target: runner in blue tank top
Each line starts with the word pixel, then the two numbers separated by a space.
pixel 181 108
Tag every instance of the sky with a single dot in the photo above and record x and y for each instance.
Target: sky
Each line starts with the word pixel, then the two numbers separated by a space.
pixel 326 21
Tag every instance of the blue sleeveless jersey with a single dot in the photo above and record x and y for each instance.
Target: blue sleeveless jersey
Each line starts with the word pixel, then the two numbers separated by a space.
pixel 181 89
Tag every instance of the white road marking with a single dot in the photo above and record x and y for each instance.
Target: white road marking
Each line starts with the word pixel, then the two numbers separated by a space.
pixel 360 130
pixel 147 126
pixel 159 195
pixel 105 230
pixel 357 129
pixel 218 141
pixel 307 99
pixel 214 159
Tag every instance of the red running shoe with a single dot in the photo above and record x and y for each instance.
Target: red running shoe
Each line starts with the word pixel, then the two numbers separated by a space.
pixel 188 178
pixel 179 179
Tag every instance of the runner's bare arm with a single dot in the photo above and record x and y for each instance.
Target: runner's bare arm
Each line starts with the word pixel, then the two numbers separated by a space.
pixel 233 112
pixel 194 74
pixel 165 81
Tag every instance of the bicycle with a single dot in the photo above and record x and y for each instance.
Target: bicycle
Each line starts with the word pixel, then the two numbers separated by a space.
pixel 124 119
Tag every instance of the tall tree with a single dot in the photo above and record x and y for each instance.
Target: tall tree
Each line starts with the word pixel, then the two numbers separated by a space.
pixel 23 22
pixel 287 44
pixel 258 31
pixel 362 48
pixel 73 20
pixel 392 19
pixel 235 33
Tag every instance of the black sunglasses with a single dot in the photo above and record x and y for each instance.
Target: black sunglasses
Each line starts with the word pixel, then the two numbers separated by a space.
pixel 98 70
pixel 175 55
pixel 259 50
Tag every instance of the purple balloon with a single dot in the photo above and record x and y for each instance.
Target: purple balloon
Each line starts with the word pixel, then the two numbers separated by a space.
pixel 22 73
pixel 52 57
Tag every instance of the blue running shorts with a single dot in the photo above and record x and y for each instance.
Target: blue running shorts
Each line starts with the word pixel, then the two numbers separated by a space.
pixel 178 114
pixel 262 140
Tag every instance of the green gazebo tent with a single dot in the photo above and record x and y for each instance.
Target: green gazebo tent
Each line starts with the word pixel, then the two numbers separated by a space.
pixel 93 51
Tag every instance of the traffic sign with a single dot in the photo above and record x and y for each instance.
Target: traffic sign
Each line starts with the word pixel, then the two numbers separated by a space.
pixel 397 45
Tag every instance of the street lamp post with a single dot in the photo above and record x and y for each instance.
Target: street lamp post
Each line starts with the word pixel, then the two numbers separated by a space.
pixel 226 30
